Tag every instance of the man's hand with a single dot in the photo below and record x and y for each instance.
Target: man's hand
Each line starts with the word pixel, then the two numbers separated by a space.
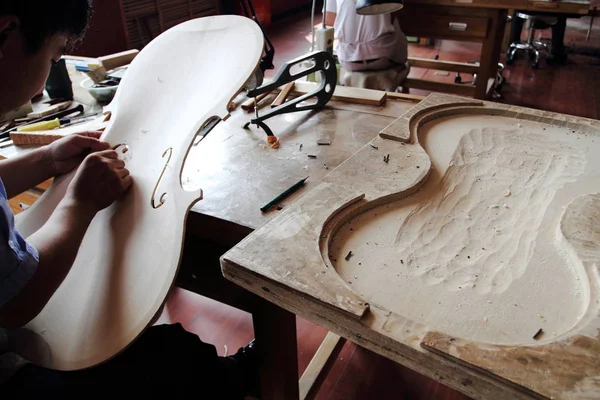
pixel 99 181
pixel 67 153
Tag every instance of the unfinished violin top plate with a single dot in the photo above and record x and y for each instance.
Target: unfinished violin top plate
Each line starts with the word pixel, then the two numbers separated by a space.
pixel 130 255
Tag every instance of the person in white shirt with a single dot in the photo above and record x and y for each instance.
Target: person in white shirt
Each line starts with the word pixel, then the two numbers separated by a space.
pixel 365 42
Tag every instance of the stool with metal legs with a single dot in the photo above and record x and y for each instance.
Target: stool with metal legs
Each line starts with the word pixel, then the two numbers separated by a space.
pixel 534 22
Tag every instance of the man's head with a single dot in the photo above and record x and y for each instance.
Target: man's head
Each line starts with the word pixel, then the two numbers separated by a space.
pixel 33 34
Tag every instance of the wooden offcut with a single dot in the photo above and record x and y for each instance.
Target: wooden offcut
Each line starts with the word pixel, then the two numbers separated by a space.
pixel 345 93
pixel 282 96
pixel 50 110
pixel 250 104
pixel 113 61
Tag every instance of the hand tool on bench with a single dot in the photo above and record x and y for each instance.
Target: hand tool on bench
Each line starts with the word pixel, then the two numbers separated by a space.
pixel 60 114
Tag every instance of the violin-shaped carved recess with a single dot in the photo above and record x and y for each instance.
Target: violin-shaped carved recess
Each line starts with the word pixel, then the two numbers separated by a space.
pixel 161 199
pixel 476 240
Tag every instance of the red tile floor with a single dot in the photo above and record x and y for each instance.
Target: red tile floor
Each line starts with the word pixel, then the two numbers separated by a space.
pixel 358 373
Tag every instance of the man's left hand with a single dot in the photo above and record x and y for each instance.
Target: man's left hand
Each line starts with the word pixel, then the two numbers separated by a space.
pixel 67 153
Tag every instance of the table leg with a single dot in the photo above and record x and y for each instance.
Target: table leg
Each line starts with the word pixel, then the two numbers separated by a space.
pixel 490 53
pixel 275 333
pixel 319 366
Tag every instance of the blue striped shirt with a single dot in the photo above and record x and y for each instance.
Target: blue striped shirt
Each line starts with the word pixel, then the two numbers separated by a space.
pixel 18 259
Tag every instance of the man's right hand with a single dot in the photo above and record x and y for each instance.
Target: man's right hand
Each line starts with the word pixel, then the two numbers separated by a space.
pixel 100 180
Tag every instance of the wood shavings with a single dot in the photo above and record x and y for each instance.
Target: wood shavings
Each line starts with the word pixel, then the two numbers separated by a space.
pixel 273 142
pixel 508 193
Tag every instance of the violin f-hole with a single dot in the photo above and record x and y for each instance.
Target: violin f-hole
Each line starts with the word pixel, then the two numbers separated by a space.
pixel 161 199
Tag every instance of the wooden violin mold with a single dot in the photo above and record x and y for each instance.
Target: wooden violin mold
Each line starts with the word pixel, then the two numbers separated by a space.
pixel 462 237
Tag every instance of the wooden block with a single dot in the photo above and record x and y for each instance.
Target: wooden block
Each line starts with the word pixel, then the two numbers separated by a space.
pixel 116 60
pixel 98 74
pixel 249 104
pixel 80 59
pixel 360 95
pixel 405 96
pixel 282 96
pixel 454 88
pixel 39 138
pixel 50 110
pixel 346 93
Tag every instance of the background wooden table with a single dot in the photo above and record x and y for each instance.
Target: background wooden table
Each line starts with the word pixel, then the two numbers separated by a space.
pixel 481 21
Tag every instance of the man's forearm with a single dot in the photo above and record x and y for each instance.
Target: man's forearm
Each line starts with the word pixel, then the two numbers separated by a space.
pixel 57 243
pixel 330 18
pixel 24 172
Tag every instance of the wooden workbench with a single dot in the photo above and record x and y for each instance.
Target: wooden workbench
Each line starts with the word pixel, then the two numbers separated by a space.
pixel 294 262
pixel 480 21
pixel 239 173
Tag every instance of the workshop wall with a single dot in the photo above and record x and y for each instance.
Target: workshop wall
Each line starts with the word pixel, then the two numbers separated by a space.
pixel 119 25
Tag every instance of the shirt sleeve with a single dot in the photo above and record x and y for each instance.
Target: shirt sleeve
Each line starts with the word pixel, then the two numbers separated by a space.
pixel 18 259
pixel 331 6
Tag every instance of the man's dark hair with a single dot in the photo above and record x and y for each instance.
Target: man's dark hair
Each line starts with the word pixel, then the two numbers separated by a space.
pixel 42 19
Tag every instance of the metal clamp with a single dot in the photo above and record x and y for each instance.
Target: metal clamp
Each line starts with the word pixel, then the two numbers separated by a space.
pixel 323 62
